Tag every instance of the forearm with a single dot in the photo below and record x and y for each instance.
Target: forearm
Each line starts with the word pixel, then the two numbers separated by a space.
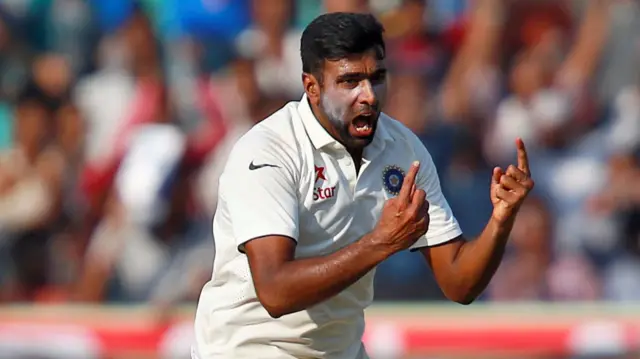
pixel 477 262
pixel 302 283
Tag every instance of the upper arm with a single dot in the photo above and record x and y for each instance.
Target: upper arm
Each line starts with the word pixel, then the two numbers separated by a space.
pixel 263 201
pixel 266 255
pixel 443 226
pixel 441 257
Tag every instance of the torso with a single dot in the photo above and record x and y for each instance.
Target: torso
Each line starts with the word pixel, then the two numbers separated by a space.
pixel 337 205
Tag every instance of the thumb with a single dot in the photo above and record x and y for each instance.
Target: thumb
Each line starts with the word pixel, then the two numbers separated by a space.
pixel 497 173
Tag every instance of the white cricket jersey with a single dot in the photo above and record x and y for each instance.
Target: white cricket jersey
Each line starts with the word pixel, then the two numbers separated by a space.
pixel 315 197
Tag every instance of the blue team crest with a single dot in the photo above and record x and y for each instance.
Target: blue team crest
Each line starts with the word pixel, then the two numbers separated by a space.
pixel 392 178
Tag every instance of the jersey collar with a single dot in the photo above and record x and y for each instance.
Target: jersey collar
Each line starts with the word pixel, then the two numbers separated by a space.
pixel 321 138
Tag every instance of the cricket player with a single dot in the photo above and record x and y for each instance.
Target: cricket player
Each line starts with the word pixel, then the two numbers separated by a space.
pixel 314 197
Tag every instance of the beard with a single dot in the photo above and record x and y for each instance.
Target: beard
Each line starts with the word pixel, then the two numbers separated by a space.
pixel 341 120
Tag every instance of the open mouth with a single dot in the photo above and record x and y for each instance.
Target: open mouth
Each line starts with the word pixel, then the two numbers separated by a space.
pixel 363 124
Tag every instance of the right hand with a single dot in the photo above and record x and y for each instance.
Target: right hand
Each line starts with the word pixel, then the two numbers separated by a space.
pixel 405 218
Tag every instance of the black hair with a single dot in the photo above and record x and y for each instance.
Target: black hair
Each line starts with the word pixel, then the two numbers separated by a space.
pixel 334 36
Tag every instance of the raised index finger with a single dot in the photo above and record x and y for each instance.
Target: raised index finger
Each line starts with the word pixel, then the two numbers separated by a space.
pixel 407 184
pixel 523 159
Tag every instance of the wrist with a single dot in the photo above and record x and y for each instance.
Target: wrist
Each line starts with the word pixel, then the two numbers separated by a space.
pixel 376 244
pixel 502 219
pixel 501 226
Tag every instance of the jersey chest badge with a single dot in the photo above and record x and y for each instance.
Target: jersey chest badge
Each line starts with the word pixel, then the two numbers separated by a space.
pixel 392 178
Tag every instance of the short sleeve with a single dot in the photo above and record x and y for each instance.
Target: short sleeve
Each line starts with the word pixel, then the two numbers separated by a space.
pixel 259 190
pixel 443 225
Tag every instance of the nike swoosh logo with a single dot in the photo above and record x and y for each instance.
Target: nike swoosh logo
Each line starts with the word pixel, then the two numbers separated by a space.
pixel 255 167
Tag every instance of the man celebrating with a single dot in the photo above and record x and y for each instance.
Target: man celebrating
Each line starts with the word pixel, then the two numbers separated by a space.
pixel 317 195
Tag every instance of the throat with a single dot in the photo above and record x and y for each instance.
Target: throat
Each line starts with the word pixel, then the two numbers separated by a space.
pixel 356 156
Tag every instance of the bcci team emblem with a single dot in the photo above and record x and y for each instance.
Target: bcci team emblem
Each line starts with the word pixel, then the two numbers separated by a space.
pixel 392 178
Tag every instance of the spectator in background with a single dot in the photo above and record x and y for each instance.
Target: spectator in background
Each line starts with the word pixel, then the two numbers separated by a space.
pixel 523 274
pixel 70 130
pixel 126 91
pixel 50 81
pixel 621 198
pixel 66 241
pixel 346 6
pixel 30 180
pixel 532 271
pixel 147 247
pixel 550 104
pixel 274 45
pixel 14 73
pixel 471 89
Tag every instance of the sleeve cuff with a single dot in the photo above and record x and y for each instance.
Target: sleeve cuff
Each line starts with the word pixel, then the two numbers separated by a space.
pixel 437 239
pixel 246 237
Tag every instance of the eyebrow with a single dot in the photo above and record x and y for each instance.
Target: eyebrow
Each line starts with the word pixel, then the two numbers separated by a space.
pixel 361 75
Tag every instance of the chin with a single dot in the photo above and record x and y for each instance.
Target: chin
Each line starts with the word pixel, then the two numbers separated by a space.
pixel 360 141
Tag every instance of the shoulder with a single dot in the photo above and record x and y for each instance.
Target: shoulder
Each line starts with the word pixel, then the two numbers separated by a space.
pixel 278 132
pixel 408 145
pixel 403 136
pixel 276 138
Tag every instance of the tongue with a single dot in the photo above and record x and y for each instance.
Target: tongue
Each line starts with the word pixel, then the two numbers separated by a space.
pixel 360 122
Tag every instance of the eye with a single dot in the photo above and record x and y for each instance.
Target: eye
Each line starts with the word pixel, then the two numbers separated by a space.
pixel 351 83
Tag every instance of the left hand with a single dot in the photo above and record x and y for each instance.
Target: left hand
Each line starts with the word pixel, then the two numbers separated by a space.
pixel 509 189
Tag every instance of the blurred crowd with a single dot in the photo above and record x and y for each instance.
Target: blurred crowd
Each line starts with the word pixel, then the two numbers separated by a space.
pixel 116 117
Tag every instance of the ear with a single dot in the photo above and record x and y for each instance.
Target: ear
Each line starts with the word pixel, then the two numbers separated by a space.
pixel 311 88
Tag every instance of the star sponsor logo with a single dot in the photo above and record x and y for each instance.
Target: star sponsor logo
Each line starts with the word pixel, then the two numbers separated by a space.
pixel 322 192
pixel 320 174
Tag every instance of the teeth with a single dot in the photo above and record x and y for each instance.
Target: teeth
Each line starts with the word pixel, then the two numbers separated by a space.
pixel 362 128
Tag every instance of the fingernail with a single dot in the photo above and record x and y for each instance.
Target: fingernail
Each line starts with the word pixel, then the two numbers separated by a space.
pixel 416 163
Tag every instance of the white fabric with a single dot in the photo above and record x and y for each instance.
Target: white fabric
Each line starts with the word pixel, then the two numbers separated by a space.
pixel 548 109
pixel 155 153
pixel 105 99
pixel 274 74
pixel 284 200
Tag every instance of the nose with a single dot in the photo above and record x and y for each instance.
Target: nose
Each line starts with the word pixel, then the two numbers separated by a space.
pixel 368 96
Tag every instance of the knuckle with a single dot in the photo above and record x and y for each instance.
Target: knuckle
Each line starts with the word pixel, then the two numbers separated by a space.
pixel 409 214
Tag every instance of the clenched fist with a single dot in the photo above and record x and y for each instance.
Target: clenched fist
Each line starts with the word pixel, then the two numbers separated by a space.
pixel 405 218
pixel 510 188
